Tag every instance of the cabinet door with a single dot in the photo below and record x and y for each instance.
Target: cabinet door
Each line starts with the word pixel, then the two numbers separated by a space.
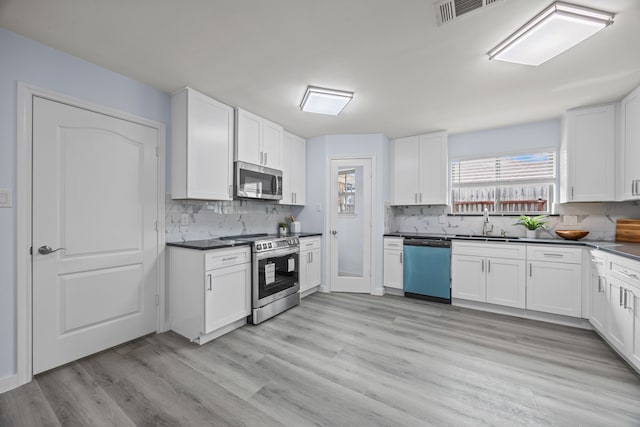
pixel 506 282
pixel 248 137
pixel 298 170
pixel 554 287
pixel 392 269
pixel 272 145
pixel 287 166
pixel 314 268
pixel 630 152
pixel 619 326
pixel 599 306
pixel 468 278
pixel 432 188
pixel 303 270
pixel 591 138
pixel 227 296
pixel 405 171
pixel 633 308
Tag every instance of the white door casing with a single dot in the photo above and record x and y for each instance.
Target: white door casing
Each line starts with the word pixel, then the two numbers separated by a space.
pixel 347 281
pixel 94 196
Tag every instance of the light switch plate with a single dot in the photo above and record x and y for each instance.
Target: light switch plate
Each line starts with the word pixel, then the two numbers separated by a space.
pixel 570 220
pixel 5 198
pixel 184 219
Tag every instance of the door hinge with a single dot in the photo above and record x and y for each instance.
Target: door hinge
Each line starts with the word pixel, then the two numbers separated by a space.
pixel 157 151
pixel 157 299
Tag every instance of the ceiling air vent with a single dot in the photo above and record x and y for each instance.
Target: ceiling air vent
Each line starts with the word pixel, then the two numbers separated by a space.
pixel 448 10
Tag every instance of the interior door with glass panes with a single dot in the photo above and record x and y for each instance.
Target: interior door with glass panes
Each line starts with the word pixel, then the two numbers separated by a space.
pixel 350 225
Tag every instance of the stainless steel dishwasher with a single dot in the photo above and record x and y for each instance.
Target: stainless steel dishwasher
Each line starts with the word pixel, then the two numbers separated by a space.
pixel 427 269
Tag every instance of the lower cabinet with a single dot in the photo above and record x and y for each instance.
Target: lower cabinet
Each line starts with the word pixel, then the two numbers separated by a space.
pixel 498 279
pixel 393 258
pixel 623 331
pixel 310 263
pixel 598 292
pixel 554 280
pixel 209 291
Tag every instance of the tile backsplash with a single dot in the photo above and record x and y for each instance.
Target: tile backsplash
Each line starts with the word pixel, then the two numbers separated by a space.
pixel 598 218
pixel 211 219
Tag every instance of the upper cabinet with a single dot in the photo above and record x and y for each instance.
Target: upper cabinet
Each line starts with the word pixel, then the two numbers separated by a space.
pixel 201 147
pixel 293 170
pixel 588 155
pixel 258 140
pixel 629 148
pixel 420 165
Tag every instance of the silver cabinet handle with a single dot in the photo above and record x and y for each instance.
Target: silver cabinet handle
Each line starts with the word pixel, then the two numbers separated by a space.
pixel 530 270
pixel 229 259
pixel 482 269
pixel 599 283
pixel 625 298
pixel 554 255
pixel 420 197
pixel 46 250
pixel 572 192
pixel 265 157
pixel 415 196
pixel 210 282
pixel 311 253
pixel 489 266
pixel 620 288
pixel 597 261
pixel 628 273
pixel 400 257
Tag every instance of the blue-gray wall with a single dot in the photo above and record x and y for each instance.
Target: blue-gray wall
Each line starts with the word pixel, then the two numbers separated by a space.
pixel 24 60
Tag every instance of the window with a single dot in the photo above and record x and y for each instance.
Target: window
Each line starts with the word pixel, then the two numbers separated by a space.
pixel 515 184
pixel 347 191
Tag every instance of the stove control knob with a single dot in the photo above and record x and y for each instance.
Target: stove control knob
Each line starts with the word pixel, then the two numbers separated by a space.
pixel 270 245
pixel 259 247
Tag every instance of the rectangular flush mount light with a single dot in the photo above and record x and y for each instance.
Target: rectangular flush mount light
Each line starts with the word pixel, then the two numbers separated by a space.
pixel 554 30
pixel 325 101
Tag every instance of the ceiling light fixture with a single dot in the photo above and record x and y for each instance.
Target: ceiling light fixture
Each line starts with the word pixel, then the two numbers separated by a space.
pixel 325 101
pixel 554 30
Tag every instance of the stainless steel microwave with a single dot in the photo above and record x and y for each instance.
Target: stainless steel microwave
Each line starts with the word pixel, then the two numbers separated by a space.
pixel 257 182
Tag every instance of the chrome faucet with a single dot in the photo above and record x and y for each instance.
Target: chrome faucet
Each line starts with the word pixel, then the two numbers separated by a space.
pixel 487 227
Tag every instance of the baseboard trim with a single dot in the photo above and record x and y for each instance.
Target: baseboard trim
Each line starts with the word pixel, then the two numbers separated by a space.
pixel 309 291
pixel 526 314
pixel 8 383
pixel 393 291
pixel 377 292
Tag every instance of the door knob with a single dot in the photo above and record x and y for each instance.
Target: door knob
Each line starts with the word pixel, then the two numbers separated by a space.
pixel 46 250
pixel 334 232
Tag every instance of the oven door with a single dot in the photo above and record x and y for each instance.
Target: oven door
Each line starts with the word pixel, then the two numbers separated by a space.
pixel 257 182
pixel 275 275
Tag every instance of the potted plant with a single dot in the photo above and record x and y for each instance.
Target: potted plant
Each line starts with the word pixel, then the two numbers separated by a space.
pixel 532 224
pixel 283 228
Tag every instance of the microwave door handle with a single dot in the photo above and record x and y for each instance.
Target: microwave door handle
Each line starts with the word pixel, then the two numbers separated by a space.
pixel 274 185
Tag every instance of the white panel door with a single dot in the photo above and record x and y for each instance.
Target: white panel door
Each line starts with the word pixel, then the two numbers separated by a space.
pixel 630 182
pixel 599 305
pixel 468 278
pixel 433 169
pixel 227 296
pixel 619 326
pixel 314 272
pixel 95 201
pixel 350 225
pixel 248 137
pixel 392 269
pixel 405 171
pixel 554 287
pixel 272 145
pixel 506 282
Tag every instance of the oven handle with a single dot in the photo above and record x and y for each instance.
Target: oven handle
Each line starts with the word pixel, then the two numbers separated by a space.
pixel 277 253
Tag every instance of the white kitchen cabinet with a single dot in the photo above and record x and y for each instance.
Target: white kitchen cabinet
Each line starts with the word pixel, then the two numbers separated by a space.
pixel 554 280
pixel 393 262
pixel 629 148
pixel 210 291
pixel 420 165
pixel 588 154
pixel 202 135
pixel 293 170
pixel 258 141
pixel 623 330
pixel 310 263
pixel 495 279
pixel 598 292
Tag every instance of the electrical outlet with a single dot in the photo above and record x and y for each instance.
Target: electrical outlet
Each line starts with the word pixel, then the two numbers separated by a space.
pixel 184 219
pixel 570 220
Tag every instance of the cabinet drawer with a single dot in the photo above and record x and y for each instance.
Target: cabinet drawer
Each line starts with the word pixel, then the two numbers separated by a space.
pixel 309 243
pixel 625 268
pixel 496 250
pixel 554 253
pixel 219 258
pixel 393 243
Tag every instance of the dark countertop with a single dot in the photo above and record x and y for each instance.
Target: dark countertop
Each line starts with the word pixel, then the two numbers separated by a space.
pixel 220 243
pixel 629 250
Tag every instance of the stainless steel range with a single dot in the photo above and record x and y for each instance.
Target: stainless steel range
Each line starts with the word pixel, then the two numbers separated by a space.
pixel 275 286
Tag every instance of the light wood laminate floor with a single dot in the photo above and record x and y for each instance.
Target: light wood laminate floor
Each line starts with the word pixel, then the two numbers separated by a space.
pixel 345 360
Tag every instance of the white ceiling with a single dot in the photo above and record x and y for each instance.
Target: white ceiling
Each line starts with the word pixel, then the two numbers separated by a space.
pixel 409 75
